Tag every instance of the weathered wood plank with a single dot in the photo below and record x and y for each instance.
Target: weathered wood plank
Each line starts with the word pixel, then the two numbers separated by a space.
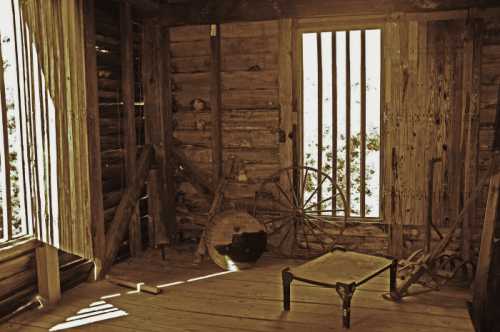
pixel 119 225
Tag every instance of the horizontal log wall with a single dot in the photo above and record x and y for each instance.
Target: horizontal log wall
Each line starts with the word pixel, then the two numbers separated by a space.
pixel 18 280
pixel 108 52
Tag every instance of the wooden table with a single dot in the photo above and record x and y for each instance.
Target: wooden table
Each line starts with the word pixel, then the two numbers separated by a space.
pixel 340 269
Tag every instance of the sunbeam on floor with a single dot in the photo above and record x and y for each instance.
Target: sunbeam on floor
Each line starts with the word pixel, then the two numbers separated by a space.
pixel 95 312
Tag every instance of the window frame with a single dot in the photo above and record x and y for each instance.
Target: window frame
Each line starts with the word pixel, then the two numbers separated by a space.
pixel 333 24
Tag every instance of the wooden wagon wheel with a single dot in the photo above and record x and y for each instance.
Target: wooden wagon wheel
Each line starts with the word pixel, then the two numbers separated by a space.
pixel 302 210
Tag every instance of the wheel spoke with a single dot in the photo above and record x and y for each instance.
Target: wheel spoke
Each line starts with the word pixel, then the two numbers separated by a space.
pixel 284 193
pixel 279 228
pixel 315 191
pixel 323 201
pixel 292 188
pixel 305 235
pixel 304 185
pixel 321 230
pixel 314 234
pixel 286 235
pixel 276 219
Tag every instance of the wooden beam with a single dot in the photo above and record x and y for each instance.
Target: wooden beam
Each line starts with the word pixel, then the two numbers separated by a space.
pixel 47 270
pixel 215 101
pixel 193 175
pixel 483 301
pixel 129 129
pixel 224 11
pixel 168 139
pixel 94 138
pixel 5 162
pixel 471 120
pixel 151 79
pixel 119 225
pixel 285 96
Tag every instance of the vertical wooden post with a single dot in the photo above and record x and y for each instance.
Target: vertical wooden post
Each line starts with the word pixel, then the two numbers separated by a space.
pixel 216 102
pixel 47 270
pixel 168 138
pixel 151 78
pixel 470 123
pixel 129 131
pixel 5 164
pixel 94 139
pixel 285 96
pixel 483 301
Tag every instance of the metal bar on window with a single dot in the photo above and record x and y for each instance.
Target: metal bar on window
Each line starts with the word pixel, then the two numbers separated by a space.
pixel 363 127
pixel 334 119
pixel 5 162
pixel 320 116
pixel 348 125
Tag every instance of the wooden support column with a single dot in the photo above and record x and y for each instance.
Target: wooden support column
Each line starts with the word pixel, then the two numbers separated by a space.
pixel 168 139
pixel 94 139
pixel 285 97
pixel 215 102
pixel 470 122
pixel 152 126
pixel 129 131
pixel 47 270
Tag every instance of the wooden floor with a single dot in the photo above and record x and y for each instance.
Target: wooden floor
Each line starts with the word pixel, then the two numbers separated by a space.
pixel 206 298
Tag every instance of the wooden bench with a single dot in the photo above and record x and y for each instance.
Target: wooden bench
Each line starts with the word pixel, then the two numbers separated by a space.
pixel 340 269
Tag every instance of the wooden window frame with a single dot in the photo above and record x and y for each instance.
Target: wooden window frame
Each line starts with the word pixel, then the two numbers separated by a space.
pixel 8 239
pixel 332 24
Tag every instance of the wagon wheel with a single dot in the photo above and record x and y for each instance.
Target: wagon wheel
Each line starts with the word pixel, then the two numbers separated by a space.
pixel 300 222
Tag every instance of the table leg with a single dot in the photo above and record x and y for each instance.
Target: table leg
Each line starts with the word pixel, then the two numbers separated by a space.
pixel 287 279
pixel 346 292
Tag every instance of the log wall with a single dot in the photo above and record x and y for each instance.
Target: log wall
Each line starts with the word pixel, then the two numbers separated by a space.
pixel 424 101
pixel 18 279
pixel 112 119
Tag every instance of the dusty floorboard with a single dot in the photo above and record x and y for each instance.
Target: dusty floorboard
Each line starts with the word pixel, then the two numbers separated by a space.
pixel 207 299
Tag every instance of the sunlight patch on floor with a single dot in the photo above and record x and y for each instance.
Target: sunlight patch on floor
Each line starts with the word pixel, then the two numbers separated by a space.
pixel 96 312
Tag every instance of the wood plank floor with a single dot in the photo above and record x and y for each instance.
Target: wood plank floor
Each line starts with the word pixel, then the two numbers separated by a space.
pixel 206 298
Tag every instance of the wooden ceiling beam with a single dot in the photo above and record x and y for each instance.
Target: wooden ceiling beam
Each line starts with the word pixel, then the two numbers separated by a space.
pixel 223 11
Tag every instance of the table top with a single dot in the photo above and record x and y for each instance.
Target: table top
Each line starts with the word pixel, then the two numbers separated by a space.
pixel 341 266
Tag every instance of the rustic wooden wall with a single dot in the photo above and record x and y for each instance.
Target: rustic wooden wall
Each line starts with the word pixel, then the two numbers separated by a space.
pixel 488 96
pixel 18 279
pixel 423 118
pixel 112 127
pixel 250 103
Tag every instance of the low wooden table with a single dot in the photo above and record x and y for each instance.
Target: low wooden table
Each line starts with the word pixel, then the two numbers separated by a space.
pixel 340 269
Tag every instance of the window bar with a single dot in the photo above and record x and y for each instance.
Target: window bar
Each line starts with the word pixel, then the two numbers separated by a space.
pixel 25 124
pixel 348 125
pixel 320 118
pixel 20 91
pixel 5 162
pixel 363 126
pixel 334 120
pixel 31 131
